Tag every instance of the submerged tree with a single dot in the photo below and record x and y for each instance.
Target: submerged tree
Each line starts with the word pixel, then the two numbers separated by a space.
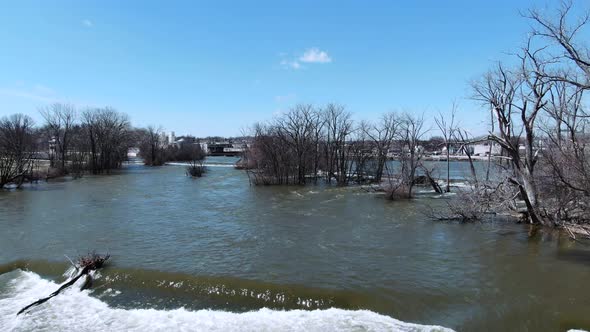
pixel 338 130
pixel 60 120
pixel 411 133
pixel 17 149
pixel 151 147
pixel 196 167
pixel 108 135
pixel 447 129
pixel 517 97
pixel 286 150
pixel 382 136
pixel 539 122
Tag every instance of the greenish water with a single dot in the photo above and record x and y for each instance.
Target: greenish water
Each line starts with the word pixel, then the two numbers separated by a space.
pixel 219 243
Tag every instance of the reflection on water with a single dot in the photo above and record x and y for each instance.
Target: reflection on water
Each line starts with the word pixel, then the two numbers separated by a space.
pixel 228 245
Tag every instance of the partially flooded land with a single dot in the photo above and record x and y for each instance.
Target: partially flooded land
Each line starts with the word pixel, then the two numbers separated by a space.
pixel 219 253
pixel 403 166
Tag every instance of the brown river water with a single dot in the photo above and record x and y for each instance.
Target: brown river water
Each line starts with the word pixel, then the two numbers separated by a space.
pixel 218 254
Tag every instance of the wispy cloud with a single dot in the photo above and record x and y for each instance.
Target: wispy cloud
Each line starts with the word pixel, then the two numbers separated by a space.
pixel 28 95
pixel 285 98
pixel 36 92
pixel 311 56
pixel 293 64
pixel 42 94
pixel 315 55
pixel 87 23
pixel 42 89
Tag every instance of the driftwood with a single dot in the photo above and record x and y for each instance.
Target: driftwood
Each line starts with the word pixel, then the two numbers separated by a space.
pixel 427 179
pixel 85 265
pixel 577 229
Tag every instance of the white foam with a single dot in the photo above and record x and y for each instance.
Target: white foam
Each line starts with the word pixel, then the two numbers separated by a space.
pixel 76 310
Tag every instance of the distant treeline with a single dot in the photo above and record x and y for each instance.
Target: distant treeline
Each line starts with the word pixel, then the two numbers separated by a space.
pixel 308 143
pixel 156 152
pixel 95 140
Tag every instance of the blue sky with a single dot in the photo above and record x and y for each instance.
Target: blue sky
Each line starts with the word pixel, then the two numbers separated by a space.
pixel 216 67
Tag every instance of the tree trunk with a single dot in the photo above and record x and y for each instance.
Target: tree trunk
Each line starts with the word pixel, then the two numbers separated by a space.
pixel 448 170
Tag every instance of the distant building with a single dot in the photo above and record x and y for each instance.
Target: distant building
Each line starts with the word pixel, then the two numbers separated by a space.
pixel 224 148
pixel 483 148
pixel 52 147
pixel 132 152
pixel 163 139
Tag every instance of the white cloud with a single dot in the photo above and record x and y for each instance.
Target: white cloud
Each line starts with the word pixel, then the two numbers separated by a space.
pixel 315 55
pixel 87 23
pixel 311 55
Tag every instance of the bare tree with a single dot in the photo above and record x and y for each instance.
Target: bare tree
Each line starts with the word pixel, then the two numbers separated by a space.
pixel 196 167
pixel 382 136
pixel 517 98
pixel 464 142
pixel 16 149
pixel 286 150
pixel 152 147
pixel 108 134
pixel 298 130
pixel 447 129
pixel 411 132
pixel 561 31
pixel 338 130
pixel 60 120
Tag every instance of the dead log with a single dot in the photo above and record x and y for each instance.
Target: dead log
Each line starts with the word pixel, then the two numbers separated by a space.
pixel 85 265
pixel 428 179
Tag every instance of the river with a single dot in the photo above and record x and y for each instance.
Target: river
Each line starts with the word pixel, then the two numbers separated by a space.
pixel 215 253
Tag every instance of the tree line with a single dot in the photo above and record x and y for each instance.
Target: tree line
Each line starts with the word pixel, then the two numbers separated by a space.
pixel 95 140
pixel 308 144
pixel 155 152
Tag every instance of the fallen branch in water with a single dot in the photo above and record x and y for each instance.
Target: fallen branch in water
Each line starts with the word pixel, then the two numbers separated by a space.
pixel 577 229
pixel 85 265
